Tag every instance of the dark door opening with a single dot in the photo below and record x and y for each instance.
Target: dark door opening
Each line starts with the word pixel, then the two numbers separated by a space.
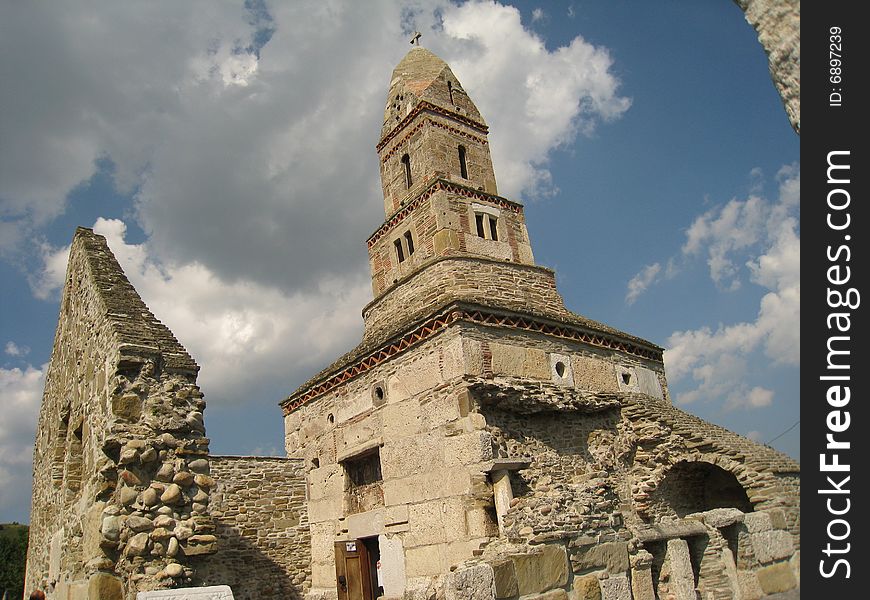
pixel 356 569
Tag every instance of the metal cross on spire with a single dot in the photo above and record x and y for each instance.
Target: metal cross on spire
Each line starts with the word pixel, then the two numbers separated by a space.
pixel 415 40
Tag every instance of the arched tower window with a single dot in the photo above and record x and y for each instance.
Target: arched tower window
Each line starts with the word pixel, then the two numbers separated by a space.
pixel 406 160
pixel 450 91
pixel 463 165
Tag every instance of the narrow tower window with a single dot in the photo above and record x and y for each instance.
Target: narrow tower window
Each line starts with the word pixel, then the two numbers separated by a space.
pixel 450 91
pixel 463 166
pixel 492 228
pixel 400 254
pixel 406 160
pixel 478 218
pixel 409 239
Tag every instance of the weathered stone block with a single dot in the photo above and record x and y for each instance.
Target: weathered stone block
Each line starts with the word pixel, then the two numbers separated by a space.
pixel 776 578
pixel 612 556
pixel 677 571
pixel 426 560
pixel 505 579
pixel 594 374
pixel 475 583
pixel 468 449
pixel 127 407
pixel 721 517
pixel 756 522
pixel 772 545
pixel 615 588
pixel 586 588
pixel 642 584
pixel 213 592
pixel 445 240
pixel 542 570
pixel 102 586
pixel 551 595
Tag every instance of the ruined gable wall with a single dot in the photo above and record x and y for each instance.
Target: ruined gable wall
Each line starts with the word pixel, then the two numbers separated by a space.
pixel 120 462
pixel 261 522
pixel 778 26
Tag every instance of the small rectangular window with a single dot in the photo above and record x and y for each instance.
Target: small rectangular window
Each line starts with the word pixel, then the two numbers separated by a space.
pixel 493 229
pixel 363 485
pixel 479 220
pixel 409 239
pixel 400 254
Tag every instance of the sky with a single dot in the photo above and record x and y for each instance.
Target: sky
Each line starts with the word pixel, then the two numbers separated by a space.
pixel 226 151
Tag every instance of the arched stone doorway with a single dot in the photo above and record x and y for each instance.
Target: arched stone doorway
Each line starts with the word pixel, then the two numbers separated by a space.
pixel 690 487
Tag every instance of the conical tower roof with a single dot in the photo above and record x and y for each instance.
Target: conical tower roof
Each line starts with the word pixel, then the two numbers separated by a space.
pixel 421 76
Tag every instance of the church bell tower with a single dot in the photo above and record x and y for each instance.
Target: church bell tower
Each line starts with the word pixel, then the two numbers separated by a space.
pixel 440 193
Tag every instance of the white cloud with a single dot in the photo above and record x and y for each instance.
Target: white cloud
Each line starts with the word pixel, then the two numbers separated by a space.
pixel 640 282
pixel 13 349
pixel 535 100
pixel 20 395
pixel 242 332
pixel 716 359
pixel 538 14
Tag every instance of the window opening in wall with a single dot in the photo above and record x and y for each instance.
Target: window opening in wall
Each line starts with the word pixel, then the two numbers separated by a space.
pixel 406 160
pixel 400 254
pixel 463 165
pixel 409 239
pixel 450 91
pixel 626 378
pixel 364 480
pixel 560 369
pixel 330 417
pixel 487 226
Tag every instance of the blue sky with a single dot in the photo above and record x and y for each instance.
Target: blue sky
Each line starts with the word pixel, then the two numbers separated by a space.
pixel 227 153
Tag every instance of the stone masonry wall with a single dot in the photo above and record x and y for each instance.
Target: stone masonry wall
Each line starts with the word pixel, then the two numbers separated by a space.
pixel 442 222
pixel 530 289
pixel 121 485
pixel 261 522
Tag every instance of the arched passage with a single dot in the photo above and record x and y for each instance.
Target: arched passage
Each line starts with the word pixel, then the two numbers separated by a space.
pixel 690 487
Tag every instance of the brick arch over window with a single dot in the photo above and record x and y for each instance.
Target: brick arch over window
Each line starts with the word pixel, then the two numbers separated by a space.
pixel 738 486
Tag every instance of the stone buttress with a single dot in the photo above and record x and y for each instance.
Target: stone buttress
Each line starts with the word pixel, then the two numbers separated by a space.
pixel 483 441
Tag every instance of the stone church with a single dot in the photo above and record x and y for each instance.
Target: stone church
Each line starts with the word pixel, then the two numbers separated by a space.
pixel 481 442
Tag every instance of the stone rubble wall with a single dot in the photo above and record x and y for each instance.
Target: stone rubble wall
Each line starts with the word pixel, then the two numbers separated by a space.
pixel 121 484
pixel 261 522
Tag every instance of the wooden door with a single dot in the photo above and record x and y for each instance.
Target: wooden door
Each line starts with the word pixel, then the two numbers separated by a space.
pixel 352 571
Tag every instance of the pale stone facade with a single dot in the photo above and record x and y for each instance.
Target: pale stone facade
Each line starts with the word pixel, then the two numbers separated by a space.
pixel 481 442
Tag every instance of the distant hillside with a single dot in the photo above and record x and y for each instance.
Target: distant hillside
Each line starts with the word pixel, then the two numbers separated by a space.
pixel 13 557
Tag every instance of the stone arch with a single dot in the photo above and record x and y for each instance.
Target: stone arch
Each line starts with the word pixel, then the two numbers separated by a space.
pixel 697 486
pixel 658 495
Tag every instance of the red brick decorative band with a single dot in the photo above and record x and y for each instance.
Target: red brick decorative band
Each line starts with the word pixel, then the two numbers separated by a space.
pixel 435 325
pixel 441 184
pixel 424 106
